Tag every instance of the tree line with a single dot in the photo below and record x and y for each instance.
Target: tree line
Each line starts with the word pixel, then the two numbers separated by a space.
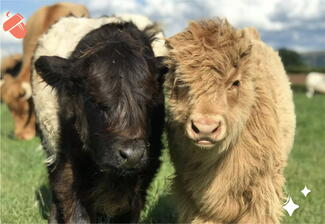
pixel 294 63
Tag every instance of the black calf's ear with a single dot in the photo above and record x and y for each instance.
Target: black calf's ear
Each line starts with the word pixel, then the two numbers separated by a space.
pixel 53 69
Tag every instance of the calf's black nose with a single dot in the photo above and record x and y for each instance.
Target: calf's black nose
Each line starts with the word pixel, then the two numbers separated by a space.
pixel 131 155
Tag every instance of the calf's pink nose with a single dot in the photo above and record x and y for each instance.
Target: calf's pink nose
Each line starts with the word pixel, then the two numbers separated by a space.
pixel 205 125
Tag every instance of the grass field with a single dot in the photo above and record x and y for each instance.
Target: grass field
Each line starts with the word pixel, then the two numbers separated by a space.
pixel 24 192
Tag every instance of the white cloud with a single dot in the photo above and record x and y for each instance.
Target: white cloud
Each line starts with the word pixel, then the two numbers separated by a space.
pixel 269 17
pixel 123 6
pixel 302 9
pixel 281 23
pixel 175 13
pixel 245 13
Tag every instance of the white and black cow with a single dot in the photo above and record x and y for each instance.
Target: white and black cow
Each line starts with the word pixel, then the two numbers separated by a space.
pixel 98 95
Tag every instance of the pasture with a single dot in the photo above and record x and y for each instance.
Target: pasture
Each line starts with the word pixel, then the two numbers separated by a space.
pixel 25 194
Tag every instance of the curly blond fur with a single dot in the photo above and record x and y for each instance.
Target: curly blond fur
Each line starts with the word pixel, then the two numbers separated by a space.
pixel 240 178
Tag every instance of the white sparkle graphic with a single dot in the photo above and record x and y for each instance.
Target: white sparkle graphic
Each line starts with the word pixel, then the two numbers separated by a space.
pixel 290 206
pixel 305 191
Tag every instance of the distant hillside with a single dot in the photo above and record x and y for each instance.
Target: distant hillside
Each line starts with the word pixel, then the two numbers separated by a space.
pixel 313 59
pixel 306 62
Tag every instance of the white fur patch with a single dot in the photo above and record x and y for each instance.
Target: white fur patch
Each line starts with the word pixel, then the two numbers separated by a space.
pixel 28 90
pixel 61 40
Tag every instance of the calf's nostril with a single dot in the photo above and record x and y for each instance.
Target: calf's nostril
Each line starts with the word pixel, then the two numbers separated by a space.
pixel 131 156
pixel 205 126
pixel 123 155
pixel 195 129
pixel 215 129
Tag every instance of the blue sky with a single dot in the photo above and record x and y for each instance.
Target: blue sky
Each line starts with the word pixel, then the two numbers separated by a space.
pixel 295 24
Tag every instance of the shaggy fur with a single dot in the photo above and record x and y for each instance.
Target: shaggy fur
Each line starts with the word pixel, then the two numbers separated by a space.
pixel 107 97
pixel 217 72
pixel 62 35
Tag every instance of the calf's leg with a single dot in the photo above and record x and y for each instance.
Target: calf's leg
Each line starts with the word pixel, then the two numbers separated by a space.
pixel 67 207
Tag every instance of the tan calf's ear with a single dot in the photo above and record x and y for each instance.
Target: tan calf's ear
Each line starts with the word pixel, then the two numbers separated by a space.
pixel 251 33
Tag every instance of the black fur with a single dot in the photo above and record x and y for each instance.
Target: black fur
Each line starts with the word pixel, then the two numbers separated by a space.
pixel 111 98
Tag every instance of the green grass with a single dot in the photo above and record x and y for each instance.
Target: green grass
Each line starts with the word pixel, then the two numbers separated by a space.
pixel 307 161
pixel 22 174
pixel 24 192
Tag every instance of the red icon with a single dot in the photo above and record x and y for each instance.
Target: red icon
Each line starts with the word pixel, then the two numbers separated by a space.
pixel 15 26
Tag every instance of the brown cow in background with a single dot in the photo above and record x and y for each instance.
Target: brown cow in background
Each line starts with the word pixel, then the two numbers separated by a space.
pixel 16 92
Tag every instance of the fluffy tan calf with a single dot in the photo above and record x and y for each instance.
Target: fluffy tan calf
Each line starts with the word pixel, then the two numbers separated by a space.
pixel 231 124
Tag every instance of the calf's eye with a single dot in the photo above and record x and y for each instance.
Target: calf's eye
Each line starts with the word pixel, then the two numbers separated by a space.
pixel 236 83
